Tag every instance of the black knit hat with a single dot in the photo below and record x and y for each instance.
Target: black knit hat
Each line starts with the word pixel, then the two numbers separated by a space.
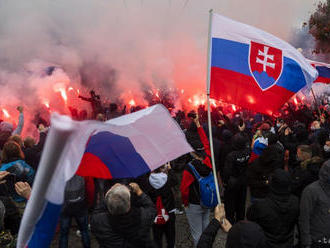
pixel 280 182
pixel 246 234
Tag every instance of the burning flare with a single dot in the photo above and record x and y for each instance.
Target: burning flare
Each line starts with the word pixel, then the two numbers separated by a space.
pixel 5 112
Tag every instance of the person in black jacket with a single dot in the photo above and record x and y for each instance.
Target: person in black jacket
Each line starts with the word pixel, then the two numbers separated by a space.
pixel 278 213
pixel 260 170
pixel 244 234
pixel 128 219
pixel 308 170
pixel 159 187
pixel 314 219
pixel 234 178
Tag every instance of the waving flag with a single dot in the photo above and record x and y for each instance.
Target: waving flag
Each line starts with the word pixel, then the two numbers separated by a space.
pixel 125 147
pixel 323 70
pixel 254 69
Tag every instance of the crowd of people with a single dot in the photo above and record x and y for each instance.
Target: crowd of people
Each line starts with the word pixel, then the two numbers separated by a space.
pixel 273 174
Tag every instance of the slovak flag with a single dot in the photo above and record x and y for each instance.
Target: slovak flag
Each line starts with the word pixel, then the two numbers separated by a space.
pixel 323 70
pixel 125 147
pixel 252 68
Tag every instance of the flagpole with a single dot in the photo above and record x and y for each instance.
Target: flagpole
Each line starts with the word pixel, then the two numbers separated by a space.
pixel 316 104
pixel 209 48
pixel 54 146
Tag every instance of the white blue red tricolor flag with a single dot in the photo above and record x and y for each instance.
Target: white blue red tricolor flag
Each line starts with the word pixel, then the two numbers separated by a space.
pixel 125 147
pixel 254 69
pixel 324 72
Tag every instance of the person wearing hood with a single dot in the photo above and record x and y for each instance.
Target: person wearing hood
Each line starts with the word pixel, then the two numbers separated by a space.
pixel 128 220
pixel 314 219
pixel 260 170
pixel 278 213
pixel 234 178
pixel 244 234
pixel 198 217
pixel 159 187
pixel 308 170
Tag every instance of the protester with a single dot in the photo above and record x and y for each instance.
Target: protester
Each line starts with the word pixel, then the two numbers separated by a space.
pixel 74 207
pixel 308 170
pixel 278 213
pixel 159 187
pixel 314 220
pixel 198 217
pixel 243 234
pixel 13 162
pixel 260 170
pixel 234 178
pixel 128 220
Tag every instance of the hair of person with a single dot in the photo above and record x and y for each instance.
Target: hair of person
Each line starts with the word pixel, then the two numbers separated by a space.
pixel 306 149
pixel 11 150
pixel 16 138
pixel 118 200
pixel 29 142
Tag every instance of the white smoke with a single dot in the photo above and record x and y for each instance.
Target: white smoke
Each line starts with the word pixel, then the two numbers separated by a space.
pixel 117 47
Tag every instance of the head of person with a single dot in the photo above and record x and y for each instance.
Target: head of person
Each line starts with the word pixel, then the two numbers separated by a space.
pixel 315 125
pixel 29 142
pixel 246 234
pixel 16 138
pixel 280 183
pixel 11 152
pixel 100 117
pixel 239 142
pixel 118 199
pixel 304 152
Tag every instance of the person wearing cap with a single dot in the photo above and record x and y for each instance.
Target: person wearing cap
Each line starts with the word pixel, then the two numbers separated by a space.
pixel 314 219
pixel 278 213
pixel 244 234
pixel 198 217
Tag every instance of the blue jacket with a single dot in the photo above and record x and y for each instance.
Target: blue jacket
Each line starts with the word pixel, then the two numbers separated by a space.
pixel 23 172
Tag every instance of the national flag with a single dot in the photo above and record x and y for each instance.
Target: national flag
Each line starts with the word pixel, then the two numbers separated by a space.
pixel 125 147
pixel 324 72
pixel 254 69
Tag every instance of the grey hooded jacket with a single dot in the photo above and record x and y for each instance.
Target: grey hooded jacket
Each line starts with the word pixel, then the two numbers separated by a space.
pixel 314 220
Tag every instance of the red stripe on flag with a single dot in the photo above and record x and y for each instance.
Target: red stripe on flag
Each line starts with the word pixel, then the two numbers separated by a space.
pixel 242 90
pixel 322 80
pixel 92 166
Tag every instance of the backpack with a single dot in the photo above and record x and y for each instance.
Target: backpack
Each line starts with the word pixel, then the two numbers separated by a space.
pixel 162 215
pixel 207 189
pixel 74 190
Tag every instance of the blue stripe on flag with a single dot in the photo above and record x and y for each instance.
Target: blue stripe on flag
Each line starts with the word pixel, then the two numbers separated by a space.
pixel 45 228
pixel 118 154
pixel 323 71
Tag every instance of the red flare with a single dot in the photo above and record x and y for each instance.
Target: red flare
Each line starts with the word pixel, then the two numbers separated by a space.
pixel 131 102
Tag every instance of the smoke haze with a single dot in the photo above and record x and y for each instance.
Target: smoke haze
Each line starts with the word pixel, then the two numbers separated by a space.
pixel 118 47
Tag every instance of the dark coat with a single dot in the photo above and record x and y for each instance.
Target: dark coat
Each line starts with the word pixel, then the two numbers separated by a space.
pixel 131 230
pixel 164 192
pixel 236 162
pixel 244 234
pixel 305 174
pixel 314 219
pixel 277 215
pixel 260 170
